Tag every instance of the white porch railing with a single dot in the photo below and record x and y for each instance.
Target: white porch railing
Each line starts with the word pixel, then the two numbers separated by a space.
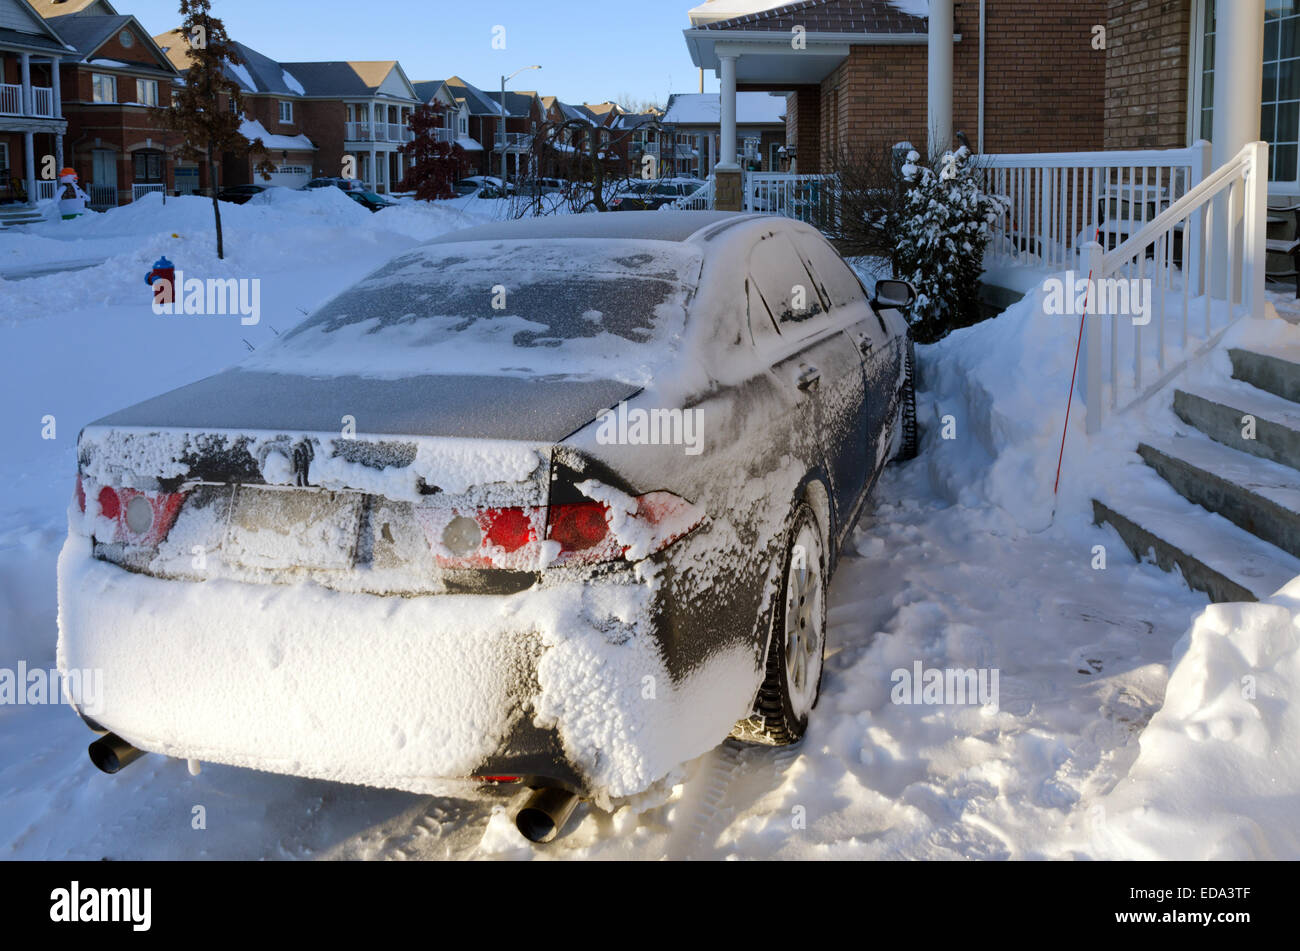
pixel 809 198
pixel 1056 201
pixel 102 197
pixel 1198 264
pixel 145 189
pixel 699 200
pixel 46 189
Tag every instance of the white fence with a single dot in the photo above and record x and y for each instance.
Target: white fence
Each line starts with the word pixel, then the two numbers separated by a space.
pixel 138 190
pixel 1057 201
pixel 45 189
pixel 808 198
pixel 102 197
pixel 699 200
pixel 1199 264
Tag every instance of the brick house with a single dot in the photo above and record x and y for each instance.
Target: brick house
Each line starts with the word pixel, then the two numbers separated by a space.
pixel 275 111
pixel 356 113
pixel 696 120
pixel 856 71
pixel 524 113
pixel 114 87
pixel 455 118
pixel 32 125
pixel 1024 75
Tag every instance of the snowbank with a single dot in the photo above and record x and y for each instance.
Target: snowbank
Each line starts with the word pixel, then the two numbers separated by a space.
pixel 1218 776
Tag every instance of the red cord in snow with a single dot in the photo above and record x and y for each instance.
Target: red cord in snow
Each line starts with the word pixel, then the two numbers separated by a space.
pixel 1077 347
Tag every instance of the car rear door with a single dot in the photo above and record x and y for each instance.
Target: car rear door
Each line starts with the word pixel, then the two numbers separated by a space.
pixel 813 354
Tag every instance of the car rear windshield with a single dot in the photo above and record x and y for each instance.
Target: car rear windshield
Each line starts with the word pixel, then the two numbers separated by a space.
pixel 573 308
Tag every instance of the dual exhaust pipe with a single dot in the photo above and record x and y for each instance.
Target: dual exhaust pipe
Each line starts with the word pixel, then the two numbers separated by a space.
pixel 540 819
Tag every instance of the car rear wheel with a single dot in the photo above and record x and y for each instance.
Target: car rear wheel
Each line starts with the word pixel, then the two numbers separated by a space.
pixel 796 648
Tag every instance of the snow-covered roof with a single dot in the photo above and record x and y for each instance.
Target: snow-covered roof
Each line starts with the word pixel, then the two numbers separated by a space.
pixel 711 10
pixel 252 129
pixel 752 108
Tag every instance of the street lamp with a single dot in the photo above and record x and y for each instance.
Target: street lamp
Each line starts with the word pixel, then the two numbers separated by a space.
pixel 501 119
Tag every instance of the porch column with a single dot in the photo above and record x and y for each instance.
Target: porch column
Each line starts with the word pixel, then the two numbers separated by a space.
pixel 29 154
pixel 1238 78
pixel 28 106
pixel 939 94
pixel 728 97
pixel 58 151
pixel 57 94
pixel 372 172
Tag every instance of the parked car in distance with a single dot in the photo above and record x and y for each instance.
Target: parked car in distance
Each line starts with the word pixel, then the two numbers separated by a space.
pixel 346 184
pixel 487 186
pixel 371 200
pixel 238 194
pixel 633 471
pixel 652 195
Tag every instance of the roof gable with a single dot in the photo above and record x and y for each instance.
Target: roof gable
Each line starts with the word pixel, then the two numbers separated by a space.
pixel 88 35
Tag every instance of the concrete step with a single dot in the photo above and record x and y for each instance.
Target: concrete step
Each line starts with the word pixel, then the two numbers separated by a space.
pixel 1255 494
pixel 1212 554
pixel 1217 411
pixel 15 215
pixel 1277 371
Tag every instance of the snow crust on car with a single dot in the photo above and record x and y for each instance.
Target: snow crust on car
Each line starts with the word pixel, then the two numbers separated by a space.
pixel 564 309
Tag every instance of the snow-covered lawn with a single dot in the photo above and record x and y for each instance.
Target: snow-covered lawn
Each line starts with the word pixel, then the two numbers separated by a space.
pixel 961 564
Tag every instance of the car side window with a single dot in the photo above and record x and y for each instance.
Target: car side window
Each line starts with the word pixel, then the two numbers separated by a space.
pixel 784 283
pixel 838 282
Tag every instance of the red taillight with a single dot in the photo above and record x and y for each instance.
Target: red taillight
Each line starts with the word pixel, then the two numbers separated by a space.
pixel 496 779
pixel 579 527
pixel 509 529
pixel 581 533
pixel 110 506
pixel 142 519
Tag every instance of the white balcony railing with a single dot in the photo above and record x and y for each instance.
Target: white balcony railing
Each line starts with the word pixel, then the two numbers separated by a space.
pixel 145 189
pixel 43 101
pixel 1199 264
pixel 1057 201
pixel 444 135
pixel 511 140
pixel 11 101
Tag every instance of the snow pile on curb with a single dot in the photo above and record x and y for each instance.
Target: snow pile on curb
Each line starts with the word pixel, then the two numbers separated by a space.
pixel 1219 770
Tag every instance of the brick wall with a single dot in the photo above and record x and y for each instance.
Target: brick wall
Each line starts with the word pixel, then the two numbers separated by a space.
pixel 1147 55
pixel 1045 86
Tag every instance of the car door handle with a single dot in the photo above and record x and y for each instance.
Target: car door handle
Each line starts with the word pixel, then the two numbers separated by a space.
pixel 808 378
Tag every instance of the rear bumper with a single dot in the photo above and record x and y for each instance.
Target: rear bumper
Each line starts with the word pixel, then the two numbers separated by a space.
pixel 564 683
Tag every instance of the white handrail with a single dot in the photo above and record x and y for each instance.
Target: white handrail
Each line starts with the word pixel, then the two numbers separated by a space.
pixel 1207 246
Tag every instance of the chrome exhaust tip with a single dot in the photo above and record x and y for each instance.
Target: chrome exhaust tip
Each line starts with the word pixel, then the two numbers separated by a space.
pixel 110 753
pixel 544 813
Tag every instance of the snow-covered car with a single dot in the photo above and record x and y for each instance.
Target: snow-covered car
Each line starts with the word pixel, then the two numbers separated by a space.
pixel 550 502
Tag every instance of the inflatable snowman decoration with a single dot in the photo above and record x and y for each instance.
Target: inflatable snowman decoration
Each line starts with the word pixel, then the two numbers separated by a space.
pixel 72 200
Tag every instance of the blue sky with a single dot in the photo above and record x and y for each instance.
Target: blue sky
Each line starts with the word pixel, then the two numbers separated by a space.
pixel 589 50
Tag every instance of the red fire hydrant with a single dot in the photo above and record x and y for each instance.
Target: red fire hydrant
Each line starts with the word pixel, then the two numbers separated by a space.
pixel 163 281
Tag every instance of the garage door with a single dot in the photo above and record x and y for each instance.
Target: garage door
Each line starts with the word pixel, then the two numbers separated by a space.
pixel 289 176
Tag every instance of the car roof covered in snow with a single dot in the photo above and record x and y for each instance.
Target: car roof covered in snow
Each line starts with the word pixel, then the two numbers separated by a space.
pixel 620 226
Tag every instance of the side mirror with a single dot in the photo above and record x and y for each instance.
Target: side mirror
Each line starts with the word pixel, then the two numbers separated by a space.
pixel 894 295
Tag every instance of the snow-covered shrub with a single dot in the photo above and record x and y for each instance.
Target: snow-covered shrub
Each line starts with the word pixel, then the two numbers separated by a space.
pixel 944 224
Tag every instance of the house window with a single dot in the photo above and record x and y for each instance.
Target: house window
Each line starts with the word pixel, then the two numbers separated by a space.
pixel 286 112
pixel 464 125
pixel 147 164
pixel 146 92
pixel 1279 122
pixel 105 87
pixel 126 39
